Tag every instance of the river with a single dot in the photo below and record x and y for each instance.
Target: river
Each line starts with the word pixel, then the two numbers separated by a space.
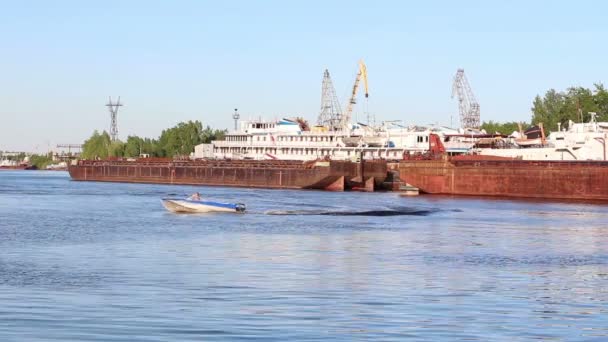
pixel 94 261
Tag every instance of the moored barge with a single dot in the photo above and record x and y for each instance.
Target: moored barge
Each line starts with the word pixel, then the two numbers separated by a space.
pixel 325 175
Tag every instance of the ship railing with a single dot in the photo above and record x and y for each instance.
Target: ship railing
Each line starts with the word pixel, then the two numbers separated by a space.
pixel 574 164
pixel 275 144
pixel 215 163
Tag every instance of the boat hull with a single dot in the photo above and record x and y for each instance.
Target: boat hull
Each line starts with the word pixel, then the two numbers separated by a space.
pixel 190 206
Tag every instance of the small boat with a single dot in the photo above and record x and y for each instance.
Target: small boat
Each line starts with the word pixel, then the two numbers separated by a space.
pixel 185 205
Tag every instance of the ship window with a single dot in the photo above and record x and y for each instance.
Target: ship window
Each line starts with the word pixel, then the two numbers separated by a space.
pixel 264 138
pixel 426 139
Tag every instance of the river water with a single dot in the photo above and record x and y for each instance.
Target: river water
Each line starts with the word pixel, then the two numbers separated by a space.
pixel 106 262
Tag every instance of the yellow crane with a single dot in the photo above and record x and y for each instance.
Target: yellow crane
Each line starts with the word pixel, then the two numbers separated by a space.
pixel 362 74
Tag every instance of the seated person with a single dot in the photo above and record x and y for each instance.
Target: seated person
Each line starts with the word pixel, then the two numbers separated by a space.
pixel 195 197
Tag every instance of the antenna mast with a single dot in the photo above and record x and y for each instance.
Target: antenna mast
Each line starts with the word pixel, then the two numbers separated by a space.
pixel 113 107
pixel 467 104
pixel 236 116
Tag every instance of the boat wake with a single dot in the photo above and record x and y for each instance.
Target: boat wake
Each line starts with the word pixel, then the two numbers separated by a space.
pixel 372 212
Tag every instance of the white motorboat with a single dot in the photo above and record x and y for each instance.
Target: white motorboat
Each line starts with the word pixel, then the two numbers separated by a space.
pixel 181 205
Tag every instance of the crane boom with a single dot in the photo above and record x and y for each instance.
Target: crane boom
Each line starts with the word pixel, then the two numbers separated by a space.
pixel 362 74
pixel 467 104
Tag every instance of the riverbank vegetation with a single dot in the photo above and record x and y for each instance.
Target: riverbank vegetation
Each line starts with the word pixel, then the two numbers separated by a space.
pixel 175 141
pixel 575 103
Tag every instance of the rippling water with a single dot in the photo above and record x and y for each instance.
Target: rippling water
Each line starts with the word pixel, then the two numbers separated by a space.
pixel 105 262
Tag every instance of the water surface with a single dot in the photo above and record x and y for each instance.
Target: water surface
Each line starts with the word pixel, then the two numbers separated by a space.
pixel 105 262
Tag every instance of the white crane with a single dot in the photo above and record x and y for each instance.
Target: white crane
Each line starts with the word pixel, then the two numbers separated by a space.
pixel 467 104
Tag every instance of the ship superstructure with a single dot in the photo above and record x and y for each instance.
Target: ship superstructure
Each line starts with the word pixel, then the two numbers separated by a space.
pixel 579 141
pixel 292 139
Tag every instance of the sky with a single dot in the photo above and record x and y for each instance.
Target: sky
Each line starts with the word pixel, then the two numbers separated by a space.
pixel 173 61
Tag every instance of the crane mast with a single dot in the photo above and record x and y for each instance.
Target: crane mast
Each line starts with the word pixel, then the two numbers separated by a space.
pixel 467 104
pixel 331 111
pixel 362 74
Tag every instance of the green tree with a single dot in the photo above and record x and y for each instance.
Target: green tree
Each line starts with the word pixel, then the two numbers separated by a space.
pixel 601 100
pixel 181 139
pixel 117 149
pixel 175 141
pixel 41 160
pixel 133 146
pixel 573 104
pixel 97 146
pixel 208 135
pixel 506 128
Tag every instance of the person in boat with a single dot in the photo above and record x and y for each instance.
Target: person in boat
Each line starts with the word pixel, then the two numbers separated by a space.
pixel 195 196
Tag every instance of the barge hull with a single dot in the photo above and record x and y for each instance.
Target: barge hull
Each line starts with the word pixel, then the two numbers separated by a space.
pixel 508 178
pixel 334 175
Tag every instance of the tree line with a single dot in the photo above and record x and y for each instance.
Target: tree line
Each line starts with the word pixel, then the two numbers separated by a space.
pixel 575 103
pixel 176 141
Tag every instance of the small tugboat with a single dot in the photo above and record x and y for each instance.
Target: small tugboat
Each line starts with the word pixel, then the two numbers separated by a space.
pixel 194 204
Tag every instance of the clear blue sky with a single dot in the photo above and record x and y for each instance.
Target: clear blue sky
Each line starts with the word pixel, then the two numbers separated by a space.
pixel 172 61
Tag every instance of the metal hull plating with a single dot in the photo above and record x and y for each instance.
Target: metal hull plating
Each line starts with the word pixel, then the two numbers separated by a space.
pixel 508 178
pixel 334 175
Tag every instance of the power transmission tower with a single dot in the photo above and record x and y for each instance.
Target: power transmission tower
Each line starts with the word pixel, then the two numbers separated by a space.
pixel 113 107
pixel 330 114
pixel 467 104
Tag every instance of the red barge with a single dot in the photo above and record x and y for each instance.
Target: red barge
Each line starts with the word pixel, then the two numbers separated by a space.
pixel 434 173
pixel 476 175
pixel 324 175
pixel 570 180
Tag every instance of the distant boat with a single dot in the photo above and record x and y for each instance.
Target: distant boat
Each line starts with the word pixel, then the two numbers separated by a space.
pixel 181 205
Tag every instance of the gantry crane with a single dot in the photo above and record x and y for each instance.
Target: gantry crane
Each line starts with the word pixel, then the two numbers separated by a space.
pixel 467 104
pixel 362 74
pixel 331 111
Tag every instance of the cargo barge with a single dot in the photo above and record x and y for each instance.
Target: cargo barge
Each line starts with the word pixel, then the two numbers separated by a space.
pixel 324 175
pixel 432 173
pixel 480 175
pixel 569 180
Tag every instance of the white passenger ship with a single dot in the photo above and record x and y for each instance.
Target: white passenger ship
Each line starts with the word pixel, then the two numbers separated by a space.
pixel 292 139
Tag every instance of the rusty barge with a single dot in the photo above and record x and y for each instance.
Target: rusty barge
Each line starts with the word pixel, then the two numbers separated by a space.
pixel 323 175
pixel 564 180
pixel 434 174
